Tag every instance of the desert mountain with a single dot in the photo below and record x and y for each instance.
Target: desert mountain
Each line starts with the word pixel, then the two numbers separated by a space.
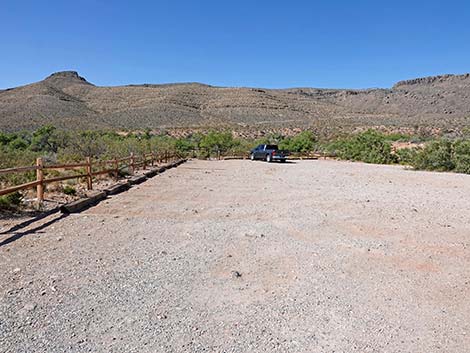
pixel 67 100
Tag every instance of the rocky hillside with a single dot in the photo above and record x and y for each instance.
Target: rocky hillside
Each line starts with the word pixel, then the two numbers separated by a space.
pixel 67 100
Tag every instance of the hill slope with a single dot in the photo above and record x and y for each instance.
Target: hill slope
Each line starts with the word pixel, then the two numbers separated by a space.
pixel 67 100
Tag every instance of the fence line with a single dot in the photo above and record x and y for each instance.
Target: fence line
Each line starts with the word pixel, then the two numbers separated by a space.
pixel 112 166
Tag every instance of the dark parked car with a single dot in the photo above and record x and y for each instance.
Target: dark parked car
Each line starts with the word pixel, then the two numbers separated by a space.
pixel 268 153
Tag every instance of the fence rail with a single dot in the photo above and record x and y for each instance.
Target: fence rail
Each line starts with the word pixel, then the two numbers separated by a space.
pixel 112 167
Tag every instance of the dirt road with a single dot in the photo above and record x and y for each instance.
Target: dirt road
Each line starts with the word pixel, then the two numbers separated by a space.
pixel 240 256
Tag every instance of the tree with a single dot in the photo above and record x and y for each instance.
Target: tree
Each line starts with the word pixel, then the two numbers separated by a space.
pixel 45 139
pixel 302 142
pixel 217 142
pixel 369 146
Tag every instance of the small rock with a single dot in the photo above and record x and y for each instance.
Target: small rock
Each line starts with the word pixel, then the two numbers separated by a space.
pixel 59 238
pixel 29 307
pixel 236 274
pixel 16 270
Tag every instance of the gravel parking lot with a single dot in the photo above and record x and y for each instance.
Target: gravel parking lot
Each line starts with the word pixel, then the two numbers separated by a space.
pixel 240 256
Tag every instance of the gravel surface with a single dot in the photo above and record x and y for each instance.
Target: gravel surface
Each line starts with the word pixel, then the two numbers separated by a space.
pixel 240 256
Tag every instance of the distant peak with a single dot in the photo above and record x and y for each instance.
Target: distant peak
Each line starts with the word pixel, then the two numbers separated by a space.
pixel 431 79
pixel 67 75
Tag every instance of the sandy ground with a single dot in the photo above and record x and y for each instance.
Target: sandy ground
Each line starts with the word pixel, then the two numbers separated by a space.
pixel 240 256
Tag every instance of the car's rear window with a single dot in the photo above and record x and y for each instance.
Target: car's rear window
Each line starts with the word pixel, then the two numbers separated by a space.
pixel 271 147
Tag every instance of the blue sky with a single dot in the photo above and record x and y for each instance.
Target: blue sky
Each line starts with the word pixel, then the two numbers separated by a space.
pixel 337 44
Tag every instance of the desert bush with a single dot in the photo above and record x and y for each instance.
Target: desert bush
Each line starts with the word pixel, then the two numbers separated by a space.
pixel 444 155
pixel 216 142
pixel 461 156
pixel 369 146
pixel 302 142
pixel 11 201
pixel 436 155
pixel 185 145
pixel 69 190
pixel 406 156
pixel 398 137
pixel 47 139
pixel 10 158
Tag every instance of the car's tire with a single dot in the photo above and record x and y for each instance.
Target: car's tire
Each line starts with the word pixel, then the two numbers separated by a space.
pixel 252 157
pixel 283 161
pixel 269 159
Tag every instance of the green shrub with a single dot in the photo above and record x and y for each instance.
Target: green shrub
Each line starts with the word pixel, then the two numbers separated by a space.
pixel 398 137
pixel 185 145
pixel 217 142
pixel 302 142
pixel 45 139
pixel 370 147
pixel 11 201
pixel 436 155
pixel 69 190
pixel 461 156
pixel 406 155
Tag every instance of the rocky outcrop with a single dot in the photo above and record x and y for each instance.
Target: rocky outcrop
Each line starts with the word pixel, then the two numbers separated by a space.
pixel 432 79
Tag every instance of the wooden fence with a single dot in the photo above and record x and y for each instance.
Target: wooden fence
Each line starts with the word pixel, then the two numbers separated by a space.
pixel 110 167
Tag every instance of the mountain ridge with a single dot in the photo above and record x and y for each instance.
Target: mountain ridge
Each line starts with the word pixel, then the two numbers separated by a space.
pixel 68 100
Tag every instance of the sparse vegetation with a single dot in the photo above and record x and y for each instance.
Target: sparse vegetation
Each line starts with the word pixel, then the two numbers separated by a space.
pixel 22 148
pixel 406 156
pixel 69 190
pixel 167 105
pixel 370 147
pixel 11 202
pixel 216 142
pixel 444 155
pixel 303 142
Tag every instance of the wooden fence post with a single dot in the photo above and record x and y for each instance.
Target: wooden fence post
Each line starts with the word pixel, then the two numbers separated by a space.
pixel 116 168
pixel 144 161
pixel 132 163
pixel 89 179
pixel 153 158
pixel 40 179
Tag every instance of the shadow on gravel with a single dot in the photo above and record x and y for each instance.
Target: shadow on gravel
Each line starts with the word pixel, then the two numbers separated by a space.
pixel 18 235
